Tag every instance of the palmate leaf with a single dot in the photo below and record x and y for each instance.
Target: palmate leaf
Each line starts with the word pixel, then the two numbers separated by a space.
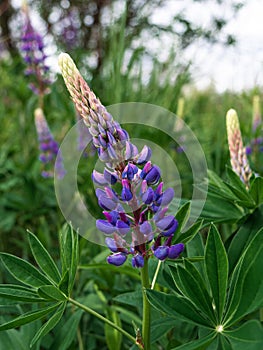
pixel 65 335
pixel 43 258
pixel 216 264
pixel 182 215
pixel 50 324
pixel 246 285
pixel 244 236
pixel 191 285
pixel 200 344
pixel 256 190
pixel 28 317
pixel 18 294
pixel 177 306
pixel 189 234
pixel 249 336
pixel 23 271
pixel 51 292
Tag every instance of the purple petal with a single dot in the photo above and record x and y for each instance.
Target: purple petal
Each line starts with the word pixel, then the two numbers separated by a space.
pixel 161 252
pixel 137 261
pixel 166 197
pixel 145 155
pixel 99 178
pixel 117 259
pixel 145 228
pixel 153 176
pixel 175 250
pixel 123 228
pixel 110 177
pixel 105 226
pixel 148 196
pixel 111 244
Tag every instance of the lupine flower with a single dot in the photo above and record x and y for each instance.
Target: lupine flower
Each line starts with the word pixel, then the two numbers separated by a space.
pixel 129 180
pixel 255 145
pixel 32 48
pixel 48 147
pixel 84 138
pixel 238 157
pixel 257 120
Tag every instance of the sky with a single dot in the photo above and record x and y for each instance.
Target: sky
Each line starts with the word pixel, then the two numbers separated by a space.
pixel 235 68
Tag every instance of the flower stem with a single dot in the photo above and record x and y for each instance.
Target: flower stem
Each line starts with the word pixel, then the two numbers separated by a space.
pixel 146 307
pixel 102 318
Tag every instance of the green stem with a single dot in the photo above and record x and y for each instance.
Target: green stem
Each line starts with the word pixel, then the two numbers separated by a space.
pixel 146 307
pixel 102 318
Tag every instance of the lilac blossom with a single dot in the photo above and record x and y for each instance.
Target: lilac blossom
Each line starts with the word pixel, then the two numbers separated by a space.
pixel 129 180
pixel 49 148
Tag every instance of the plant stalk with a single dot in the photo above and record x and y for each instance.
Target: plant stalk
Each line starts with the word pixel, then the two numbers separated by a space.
pixel 102 318
pixel 146 307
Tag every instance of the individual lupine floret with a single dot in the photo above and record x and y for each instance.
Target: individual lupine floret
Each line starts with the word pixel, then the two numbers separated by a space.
pixel 48 147
pixel 238 157
pixel 145 229
pixel 33 52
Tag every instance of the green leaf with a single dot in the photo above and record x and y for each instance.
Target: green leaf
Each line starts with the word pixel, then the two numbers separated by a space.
pixel 188 235
pixel 18 293
pixel 113 337
pixel 67 333
pixel 216 264
pixel 236 182
pixel 28 317
pixel 248 336
pixel 64 283
pixel 43 259
pixel 256 190
pixel 217 186
pixel 74 261
pixel 190 283
pixel 50 324
pixel 246 285
pixel 244 236
pixel 66 246
pixel 177 306
pixel 182 215
pixel 23 271
pixel 130 298
pixel 200 344
pixel 51 292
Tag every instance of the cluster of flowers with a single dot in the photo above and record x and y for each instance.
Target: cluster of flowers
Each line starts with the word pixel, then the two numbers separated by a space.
pixel 48 147
pixel 148 229
pixel 256 143
pixel 238 156
pixel 32 49
pixel 144 230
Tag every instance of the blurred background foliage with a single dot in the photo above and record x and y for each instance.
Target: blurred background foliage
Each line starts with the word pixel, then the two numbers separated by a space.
pixel 118 48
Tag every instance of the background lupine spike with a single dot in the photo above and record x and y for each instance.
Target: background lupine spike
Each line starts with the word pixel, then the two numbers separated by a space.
pixel 48 147
pixel 238 157
pixel 33 51
pixel 257 120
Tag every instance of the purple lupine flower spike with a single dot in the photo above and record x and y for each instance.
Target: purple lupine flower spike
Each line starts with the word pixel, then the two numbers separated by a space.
pixel 48 146
pixel 146 230
pixel 33 52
